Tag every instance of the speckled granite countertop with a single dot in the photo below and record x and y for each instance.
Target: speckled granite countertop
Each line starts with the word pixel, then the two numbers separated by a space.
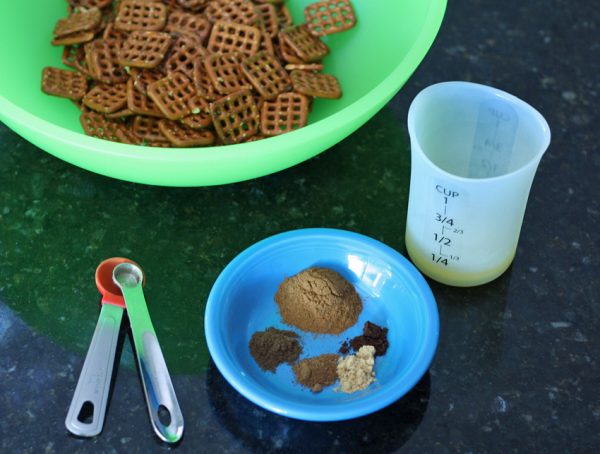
pixel 517 364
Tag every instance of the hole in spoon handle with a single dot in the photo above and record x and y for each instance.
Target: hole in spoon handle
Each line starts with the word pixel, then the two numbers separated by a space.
pixel 86 413
pixel 85 417
pixel 163 407
pixel 164 415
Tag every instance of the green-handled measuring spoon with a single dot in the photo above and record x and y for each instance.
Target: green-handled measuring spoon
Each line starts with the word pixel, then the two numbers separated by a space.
pixel 161 400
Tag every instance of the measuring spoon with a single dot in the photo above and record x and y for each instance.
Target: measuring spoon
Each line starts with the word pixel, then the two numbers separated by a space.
pixel 161 400
pixel 85 417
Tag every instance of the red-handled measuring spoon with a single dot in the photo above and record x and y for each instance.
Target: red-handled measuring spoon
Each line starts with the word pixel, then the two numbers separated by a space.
pixel 85 417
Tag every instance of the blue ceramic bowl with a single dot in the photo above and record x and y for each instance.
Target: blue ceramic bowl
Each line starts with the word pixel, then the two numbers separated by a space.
pixel 394 295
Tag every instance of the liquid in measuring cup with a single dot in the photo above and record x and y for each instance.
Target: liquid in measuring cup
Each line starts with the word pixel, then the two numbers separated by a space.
pixel 438 247
pixel 474 154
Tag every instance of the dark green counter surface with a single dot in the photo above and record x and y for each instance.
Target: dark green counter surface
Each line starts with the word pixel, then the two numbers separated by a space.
pixel 516 368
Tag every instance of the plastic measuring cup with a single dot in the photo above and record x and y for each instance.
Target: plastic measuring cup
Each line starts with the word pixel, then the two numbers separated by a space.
pixel 474 153
pixel 85 417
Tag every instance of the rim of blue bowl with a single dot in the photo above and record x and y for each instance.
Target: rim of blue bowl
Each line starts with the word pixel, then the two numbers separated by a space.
pixel 394 389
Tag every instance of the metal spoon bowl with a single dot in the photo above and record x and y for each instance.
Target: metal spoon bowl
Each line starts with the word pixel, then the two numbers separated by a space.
pixel 127 275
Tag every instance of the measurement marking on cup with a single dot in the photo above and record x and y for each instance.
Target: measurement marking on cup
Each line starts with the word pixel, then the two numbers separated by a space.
pixel 494 140
pixel 446 230
pixel 444 240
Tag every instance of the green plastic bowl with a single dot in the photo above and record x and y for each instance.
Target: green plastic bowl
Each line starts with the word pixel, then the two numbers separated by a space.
pixel 372 61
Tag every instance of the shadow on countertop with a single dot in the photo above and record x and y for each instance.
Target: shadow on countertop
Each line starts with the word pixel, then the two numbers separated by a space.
pixel 262 431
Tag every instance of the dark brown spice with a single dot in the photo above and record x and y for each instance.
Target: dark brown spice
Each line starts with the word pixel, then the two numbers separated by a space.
pixel 318 372
pixel 372 335
pixel 345 348
pixel 272 347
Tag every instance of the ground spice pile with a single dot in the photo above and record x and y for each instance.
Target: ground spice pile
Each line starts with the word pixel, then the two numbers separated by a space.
pixel 318 300
pixel 372 335
pixel 272 347
pixel 356 371
pixel 317 372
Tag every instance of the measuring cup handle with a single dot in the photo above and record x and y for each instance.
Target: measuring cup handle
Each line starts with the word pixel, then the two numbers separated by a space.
pixel 163 407
pixel 85 417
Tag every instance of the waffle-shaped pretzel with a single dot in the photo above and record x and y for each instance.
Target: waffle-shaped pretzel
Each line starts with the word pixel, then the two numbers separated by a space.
pixel 144 49
pixel 307 46
pixel 284 17
pixel 229 37
pixel 255 137
pixel 266 44
pixel 304 66
pixel 97 125
pixel 180 23
pixel 268 19
pixel 140 103
pixel 74 57
pixel 101 60
pixel 126 135
pixel 73 38
pixel 193 5
pixel 225 72
pixel 238 11
pixel 266 74
pixel 181 136
pixel 64 83
pixel 288 54
pixel 171 94
pixel 110 32
pixel 121 114
pixel 316 84
pixel 147 129
pixel 329 16
pixel 200 116
pixel 80 21
pixel 203 83
pixel 106 98
pixel 287 113
pixel 144 77
pixel 235 117
pixel 141 15
pixel 185 51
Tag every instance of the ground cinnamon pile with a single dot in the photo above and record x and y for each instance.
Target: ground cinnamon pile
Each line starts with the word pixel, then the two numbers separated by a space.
pixel 318 300
pixel 272 347
pixel 317 372
pixel 372 335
